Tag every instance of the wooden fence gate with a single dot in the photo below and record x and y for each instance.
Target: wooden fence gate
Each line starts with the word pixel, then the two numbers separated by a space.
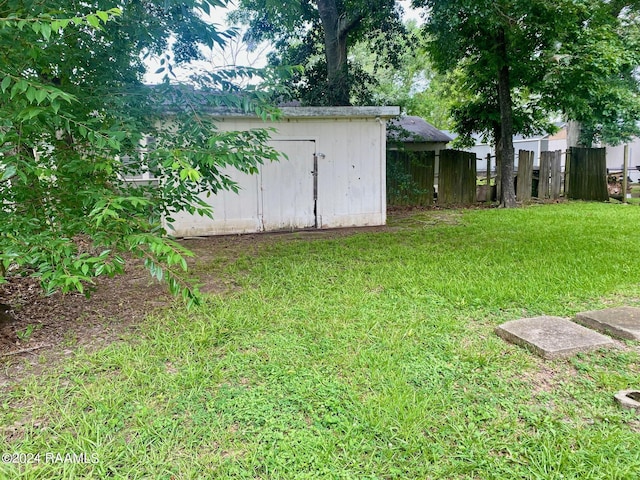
pixel 457 178
pixel 587 175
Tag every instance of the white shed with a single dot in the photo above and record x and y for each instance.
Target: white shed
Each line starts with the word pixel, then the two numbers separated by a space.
pixel 334 175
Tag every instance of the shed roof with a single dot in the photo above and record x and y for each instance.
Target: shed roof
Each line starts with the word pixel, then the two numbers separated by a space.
pixel 173 98
pixel 319 112
pixel 412 129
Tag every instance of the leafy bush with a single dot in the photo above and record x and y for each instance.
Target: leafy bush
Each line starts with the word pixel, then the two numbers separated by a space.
pixel 77 127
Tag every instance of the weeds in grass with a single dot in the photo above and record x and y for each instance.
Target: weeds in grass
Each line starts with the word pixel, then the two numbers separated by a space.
pixel 371 356
pixel 25 334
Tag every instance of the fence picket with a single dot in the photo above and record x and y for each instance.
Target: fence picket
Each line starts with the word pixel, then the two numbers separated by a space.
pixel 556 174
pixel 545 173
pixel 525 175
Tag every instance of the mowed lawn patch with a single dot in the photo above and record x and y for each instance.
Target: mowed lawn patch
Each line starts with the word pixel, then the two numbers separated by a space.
pixel 366 356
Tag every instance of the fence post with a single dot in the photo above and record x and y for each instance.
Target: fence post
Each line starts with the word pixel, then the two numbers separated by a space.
pixel 488 197
pixel 567 168
pixel 556 174
pixel 625 173
pixel 498 176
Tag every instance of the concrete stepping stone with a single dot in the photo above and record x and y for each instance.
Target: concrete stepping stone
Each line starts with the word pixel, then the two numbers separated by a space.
pixel 621 322
pixel 552 337
pixel 629 399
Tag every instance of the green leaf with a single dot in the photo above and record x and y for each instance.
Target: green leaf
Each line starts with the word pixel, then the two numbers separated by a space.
pixel 9 172
pixel 46 31
pixel 57 25
pixel 14 91
pixel 104 16
pixel 6 81
pixel 93 21
pixel 29 113
pixel 31 94
pixel 41 95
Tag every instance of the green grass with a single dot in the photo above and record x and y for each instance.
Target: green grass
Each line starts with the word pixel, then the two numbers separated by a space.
pixel 635 195
pixel 365 357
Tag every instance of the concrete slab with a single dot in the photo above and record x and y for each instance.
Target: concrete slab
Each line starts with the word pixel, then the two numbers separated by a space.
pixel 629 399
pixel 552 337
pixel 621 322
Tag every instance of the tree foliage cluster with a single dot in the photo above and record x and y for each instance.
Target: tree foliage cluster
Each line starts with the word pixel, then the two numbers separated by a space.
pixel 77 125
pixel 593 74
pixel 318 34
pixel 410 81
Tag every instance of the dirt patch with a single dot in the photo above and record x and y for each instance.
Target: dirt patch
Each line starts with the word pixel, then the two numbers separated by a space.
pixel 39 330
pixel 543 380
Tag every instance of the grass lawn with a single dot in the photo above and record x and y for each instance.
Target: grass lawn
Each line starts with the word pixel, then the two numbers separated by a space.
pixel 363 357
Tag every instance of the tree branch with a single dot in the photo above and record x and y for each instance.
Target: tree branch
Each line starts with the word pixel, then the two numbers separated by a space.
pixel 345 25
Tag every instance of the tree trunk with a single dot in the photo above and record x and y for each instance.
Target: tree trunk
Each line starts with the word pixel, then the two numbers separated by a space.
pixel 497 141
pixel 508 194
pixel 573 133
pixel 336 28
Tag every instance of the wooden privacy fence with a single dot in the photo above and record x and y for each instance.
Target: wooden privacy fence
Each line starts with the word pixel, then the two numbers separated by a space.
pixel 587 174
pixel 410 178
pixel 411 175
pixel 457 178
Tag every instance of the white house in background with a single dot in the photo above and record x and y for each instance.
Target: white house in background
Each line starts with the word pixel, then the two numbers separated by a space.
pixel 535 144
pixel 333 176
pixel 615 159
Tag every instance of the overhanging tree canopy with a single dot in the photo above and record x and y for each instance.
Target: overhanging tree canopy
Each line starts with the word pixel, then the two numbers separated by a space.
pixel 298 29
pixel 77 123
pixel 592 72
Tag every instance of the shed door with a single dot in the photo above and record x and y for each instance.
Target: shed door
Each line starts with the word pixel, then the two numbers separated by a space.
pixel 287 187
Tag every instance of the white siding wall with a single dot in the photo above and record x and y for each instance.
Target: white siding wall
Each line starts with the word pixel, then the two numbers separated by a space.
pixel 615 159
pixel 351 179
pixel 229 214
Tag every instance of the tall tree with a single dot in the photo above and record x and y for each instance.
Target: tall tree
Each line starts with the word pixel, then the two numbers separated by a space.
pixel 578 58
pixel 298 28
pixel 78 126
pixel 499 44
pixel 592 73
